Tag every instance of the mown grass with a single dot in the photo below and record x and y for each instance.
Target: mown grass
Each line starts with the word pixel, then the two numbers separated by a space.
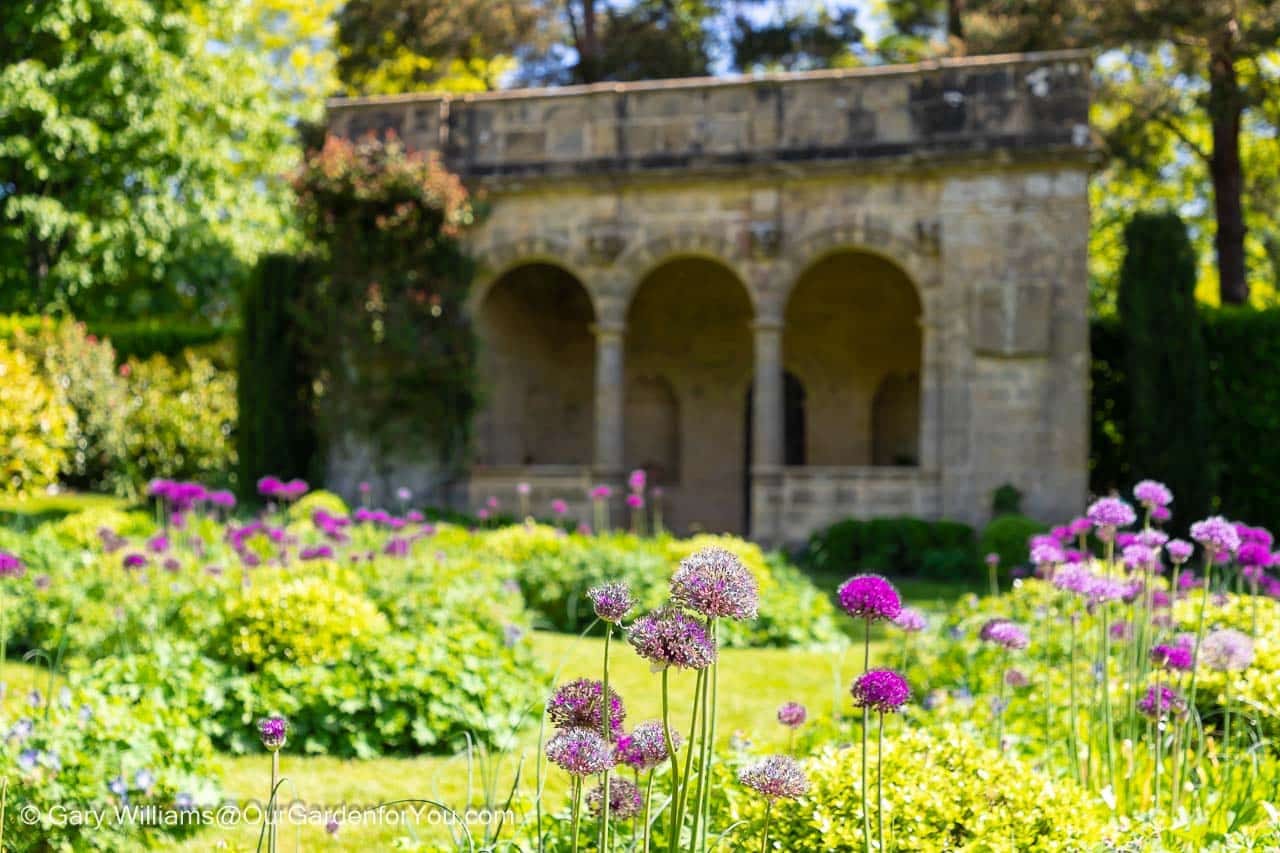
pixel 753 683
pixel 27 513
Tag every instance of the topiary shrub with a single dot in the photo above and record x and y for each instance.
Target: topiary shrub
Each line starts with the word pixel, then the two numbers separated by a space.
pixel 35 426
pixel 1007 536
pixel 909 547
pixel 942 791
pixel 180 419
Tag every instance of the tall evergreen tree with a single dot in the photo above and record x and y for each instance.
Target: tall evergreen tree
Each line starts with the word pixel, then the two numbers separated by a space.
pixel 1167 419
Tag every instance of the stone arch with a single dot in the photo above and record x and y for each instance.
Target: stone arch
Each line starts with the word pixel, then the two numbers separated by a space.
pixel 537 366
pixel 852 318
pixel 495 261
pixel 641 259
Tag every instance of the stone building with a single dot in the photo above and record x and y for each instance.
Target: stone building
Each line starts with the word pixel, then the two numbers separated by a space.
pixel 791 298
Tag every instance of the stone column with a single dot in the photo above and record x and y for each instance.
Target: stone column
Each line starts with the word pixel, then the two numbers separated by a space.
pixel 610 338
pixel 768 452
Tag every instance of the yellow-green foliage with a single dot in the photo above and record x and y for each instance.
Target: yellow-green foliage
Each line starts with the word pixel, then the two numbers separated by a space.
pixel 305 620
pixel 34 426
pixel 81 529
pixel 319 499
pixel 1256 690
pixel 943 791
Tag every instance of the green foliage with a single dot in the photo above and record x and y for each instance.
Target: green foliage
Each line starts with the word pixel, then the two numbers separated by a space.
pixel 35 425
pixel 943 790
pixel 1007 536
pixel 82 369
pixel 310 621
pixel 143 339
pixel 180 420
pixel 1165 362
pixel 86 740
pixel 1006 500
pixel 274 434
pixel 906 547
pixel 141 149
pixel 386 335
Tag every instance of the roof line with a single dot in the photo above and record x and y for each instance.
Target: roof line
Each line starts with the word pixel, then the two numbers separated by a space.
pixel 727 81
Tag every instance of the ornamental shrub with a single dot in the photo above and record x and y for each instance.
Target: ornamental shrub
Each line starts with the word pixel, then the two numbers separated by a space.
pixel 943 790
pixel 1007 535
pixel 909 547
pixel 180 419
pixel 35 426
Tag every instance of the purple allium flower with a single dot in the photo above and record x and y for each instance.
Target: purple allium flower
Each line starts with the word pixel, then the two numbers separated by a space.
pixel 1080 526
pixel 1254 554
pixel 881 690
pixel 404 495
pixel 646 746
pixel 1174 656
pixel 625 801
pixel 274 731
pixel 792 715
pixel 223 499
pixel 331 826
pixel 1047 554
pixel 992 560
pixel 1217 535
pixel 1161 701
pixel 158 544
pixel 636 480
pixel 635 501
pixel 364 488
pixel 669 637
pixel 1121 631
pixel 911 620
pixel 714 583
pixel 1139 557
pixel 1178 550
pixel 576 704
pixel 1110 513
pixel 1002 632
pixel 559 507
pixel 1227 650
pixel 1015 678
pixel 316 552
pixel 776 777
pixel 870 597
pixel 581 752
pixel 134 561
pixel 612 601
pixel 269 487
pixel 1161 514
pixel 1151 494
pixel 600 493
pixel 397 547
pixel 10 565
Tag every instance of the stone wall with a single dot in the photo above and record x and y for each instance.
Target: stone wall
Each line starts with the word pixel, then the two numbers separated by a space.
pixel 930 221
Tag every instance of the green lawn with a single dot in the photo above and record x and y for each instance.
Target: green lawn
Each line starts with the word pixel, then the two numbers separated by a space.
pixel 29 512
pixel 753 683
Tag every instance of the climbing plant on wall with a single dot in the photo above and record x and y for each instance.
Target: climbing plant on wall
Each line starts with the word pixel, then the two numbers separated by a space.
pixel 383 323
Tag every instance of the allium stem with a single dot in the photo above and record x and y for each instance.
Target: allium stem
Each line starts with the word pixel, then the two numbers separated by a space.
pixel 764 837
pixel 880 783
pixel 674 833
pixel 576 809
pixel 271 802
pixel 1107 726
pixel 1071 682
pixel 992 576
pixel 648 804
pixel 605 716
pixel 866 809
pixel 4 639
pixel 1004 669
pixel 1159 747
pixel 678 823
pixel 711 744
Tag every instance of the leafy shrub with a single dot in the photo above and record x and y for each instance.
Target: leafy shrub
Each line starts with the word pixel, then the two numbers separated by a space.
pixel 1006 500
pixel 1007 536
pixel 82 368
pixel 35 426
pixel 180 418
pixel 942 791
pixel 909 547
pixel 307 621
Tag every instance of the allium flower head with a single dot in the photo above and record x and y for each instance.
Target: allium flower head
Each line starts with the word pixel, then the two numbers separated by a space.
pixel 1151 494
pixel 600 493
pixel 992 559
pixel 581 752
pixel 715 583
pixel 1141 558
pixel 881 690
pixel 1173 656
pixel 274 731
pixel 1178 550
pixel 1227 650
pixel 1080 526
pixel 1161 701
pixel 1002 632
pixel 1047 554
pixel 792 715
pixel 635 501
pixel 911 620
pixel 1015 678
pixel 625 801
pixel 646 746
pixel 1107 514
pixel 1253 554
pixel 870 597
pixel 636 480
pixel 10 565
pixel 669 637
pixel 1217 535
pixel 576 704
pixel 776 777
pixel 612 601
pixel 559 507
pixel 1152 538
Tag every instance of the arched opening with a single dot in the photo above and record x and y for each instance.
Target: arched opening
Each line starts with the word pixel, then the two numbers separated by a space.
pixel 652 433
pixel 689 323
pixel 853 336
pixel 537 364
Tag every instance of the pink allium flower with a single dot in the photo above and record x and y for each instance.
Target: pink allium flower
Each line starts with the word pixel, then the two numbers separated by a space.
pixel 576 704
pixel 881 690
pixel 1047 554
pixel 668 637
pixel 10 565
pixel 1015 678
pixel 1161 701
pixel 635 501
pixel 776 777
pixel 636 481
pixel 483 514
pixel 911 620
pixel 611 601
pixel 491 502
pixel 1173 656
pixel 600 493
pixel 1002 632
pixel 715 583
pixel 559 507
pixel 1227 650
pixel 792 715
pixel 646 746
pixel 1108 514
pixel 1161 514
pixel 580 752
pixel 625 800
pixel 365 488
pixel 869 597
pixel 523 489
pixel 274 731
pixel 1151 494
pixel 1178 550
pixel 992 559
pixel 1217 535
pixel 1080 526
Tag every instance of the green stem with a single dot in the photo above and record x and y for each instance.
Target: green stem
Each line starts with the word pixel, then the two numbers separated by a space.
pixel 711 746
pixel 271 803
pixel 1071 682
pixel 648 803
pixel 880 783
pixel 866 810
pixel 674 833
pixel 608 738
pixel 1159 747
pixel 577 809
pixel 764 837
pixel 699 686
pixel 1108 729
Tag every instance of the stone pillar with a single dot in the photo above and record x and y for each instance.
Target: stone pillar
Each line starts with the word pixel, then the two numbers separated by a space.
pixel 768 453
pixel 610 339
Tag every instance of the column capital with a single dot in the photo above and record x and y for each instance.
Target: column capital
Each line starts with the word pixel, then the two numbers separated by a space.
pixel 767 324
pixel 609 330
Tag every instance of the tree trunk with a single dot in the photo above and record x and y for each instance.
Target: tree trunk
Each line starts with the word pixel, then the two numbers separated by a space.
pixel 955 20
pixel 1225 109
pixel 589 48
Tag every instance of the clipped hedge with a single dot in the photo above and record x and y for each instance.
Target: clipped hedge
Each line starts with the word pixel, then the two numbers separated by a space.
pixel 906 547
pixel 136 338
